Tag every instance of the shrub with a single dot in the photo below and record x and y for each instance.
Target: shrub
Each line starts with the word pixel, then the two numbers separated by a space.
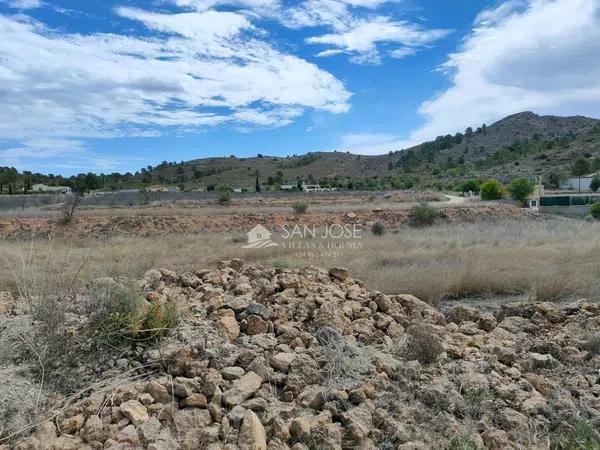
pixel 595 183
pixel 423 215
pixel 117 311
pixel 471 185
pixel 281 264
pixel 592 345
pixel 491 190
pixel 520 189
pixel 423 344
pixel 463 443
pixel 595 211
pixel 68 209
pixel 224 196
pixel 300 207
pixel 582 436
pixel 378 229
pixel 347 362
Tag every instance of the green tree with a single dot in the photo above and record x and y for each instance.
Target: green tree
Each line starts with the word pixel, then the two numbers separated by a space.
pixel 520 189
pixel 491 190
pixel 471 186
pixel 555 179
pixel 257 184
pixel 595 183
pixel 581 166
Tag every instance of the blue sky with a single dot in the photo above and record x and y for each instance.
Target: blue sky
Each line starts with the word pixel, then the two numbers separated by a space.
pixel 113 85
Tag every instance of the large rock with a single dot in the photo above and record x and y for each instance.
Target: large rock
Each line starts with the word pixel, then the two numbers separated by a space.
pixel 242 389
pixel 460 314
pixel 134 411
pixel 252 433
pixel 282 361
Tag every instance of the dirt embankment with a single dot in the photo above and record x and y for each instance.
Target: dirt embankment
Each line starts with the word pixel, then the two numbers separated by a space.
pixel 144 225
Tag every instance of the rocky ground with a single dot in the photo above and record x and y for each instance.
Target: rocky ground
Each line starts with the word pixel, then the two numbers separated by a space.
pixel 309 359
pixel 105 225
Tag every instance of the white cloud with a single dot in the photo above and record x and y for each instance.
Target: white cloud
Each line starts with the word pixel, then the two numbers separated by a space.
pixel 373 143
pixel 361 37
pixel 540 55
pixel 43 148
pixel 206 69
pixel 25 4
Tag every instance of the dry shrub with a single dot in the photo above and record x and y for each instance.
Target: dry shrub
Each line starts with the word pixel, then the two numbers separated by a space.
pixel 580 436
pixel 423 344
pixel 592 345
pixel 68 209
pixel 300 207
pixel 49 284
pixel 347 362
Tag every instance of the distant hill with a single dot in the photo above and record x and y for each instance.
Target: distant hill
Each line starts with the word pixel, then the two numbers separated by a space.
pixel 520 144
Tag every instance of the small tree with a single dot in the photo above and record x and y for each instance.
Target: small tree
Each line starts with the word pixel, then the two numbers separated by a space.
pixel 491 190
pixel 224 195
pixel 595 183
pixel 520 189
pixel 581 166
pixel 555 179
pixel 471 186
pixel 257 185
pixel 595 211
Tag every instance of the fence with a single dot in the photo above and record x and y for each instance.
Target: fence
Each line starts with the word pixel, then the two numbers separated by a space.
pixel 569 200
pixel 129 199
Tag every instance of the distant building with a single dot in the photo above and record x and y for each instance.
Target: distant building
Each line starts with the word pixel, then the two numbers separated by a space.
pixel 288 187
pixel 237 190
pixel 315 188
pixel 157 188
pixel 43 188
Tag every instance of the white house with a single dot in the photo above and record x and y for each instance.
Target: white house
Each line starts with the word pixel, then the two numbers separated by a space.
pixel 43 188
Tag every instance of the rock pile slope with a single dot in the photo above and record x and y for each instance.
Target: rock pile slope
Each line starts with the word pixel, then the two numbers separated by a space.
pixel 310 359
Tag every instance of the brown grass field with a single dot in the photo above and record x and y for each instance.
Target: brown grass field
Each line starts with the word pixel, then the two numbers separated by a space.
pixel 549 260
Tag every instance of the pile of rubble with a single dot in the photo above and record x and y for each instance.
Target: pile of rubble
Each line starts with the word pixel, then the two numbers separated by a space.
pixel 310 359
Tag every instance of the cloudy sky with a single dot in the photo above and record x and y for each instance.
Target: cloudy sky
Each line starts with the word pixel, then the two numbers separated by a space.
pixel 115 85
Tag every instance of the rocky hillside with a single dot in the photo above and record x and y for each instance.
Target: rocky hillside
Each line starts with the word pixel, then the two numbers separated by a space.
pixel 309 359
pixel 485 150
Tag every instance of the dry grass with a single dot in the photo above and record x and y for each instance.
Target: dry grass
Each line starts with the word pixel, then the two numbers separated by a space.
pixel 548 260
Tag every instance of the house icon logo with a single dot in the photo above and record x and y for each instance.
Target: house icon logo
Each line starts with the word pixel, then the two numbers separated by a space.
pixel 259 237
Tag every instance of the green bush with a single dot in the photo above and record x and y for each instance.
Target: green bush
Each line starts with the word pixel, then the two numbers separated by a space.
pixel 300 207
pixel 520 189
pixel 491 190
pixel 117 311
pixel 595 183
pixel 595 211
pixel 463 443
pixel 423 215
pixel 378 229
pixel 471 185
pixel 224 196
